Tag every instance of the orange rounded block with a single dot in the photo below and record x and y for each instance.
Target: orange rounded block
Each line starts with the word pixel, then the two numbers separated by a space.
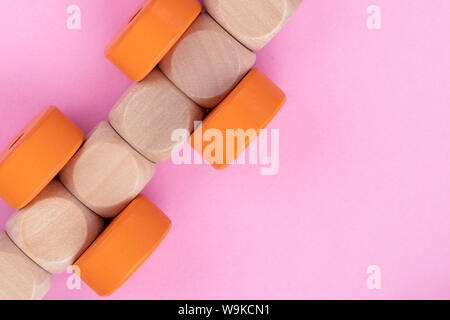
pixel 150 34
pixel 36 156
pixel 230 128
pixel 124 246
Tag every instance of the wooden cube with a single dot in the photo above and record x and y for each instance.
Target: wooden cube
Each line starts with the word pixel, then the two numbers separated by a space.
pixel 207 62
pixel 54 229
pixel 20 277
pixel 106 173
pixel 149 112
pixel 253 22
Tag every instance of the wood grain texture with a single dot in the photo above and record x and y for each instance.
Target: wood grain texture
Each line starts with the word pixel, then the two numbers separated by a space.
pixel 149 111
pixel 253 22
pixel 54 229
pixel 207 62
pixel 20 277
pixel 106 173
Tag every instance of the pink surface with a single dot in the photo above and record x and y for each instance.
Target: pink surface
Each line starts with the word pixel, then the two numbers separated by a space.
pixel 364 158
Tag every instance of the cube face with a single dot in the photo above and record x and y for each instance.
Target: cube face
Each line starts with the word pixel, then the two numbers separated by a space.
pixel 20 278
pixel 151 32
pixel 106 173
pixel 148 114
pixel 54 229
pixel 253 22
pixel 207 62
pixel 36 156
pixel 230 128
pixel 124 246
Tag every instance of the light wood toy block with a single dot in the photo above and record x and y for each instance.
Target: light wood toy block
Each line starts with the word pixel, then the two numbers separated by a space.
pixel 253 22
pixel 207 62
pixel 148 113
pixel 54 229
pixel 20 277
pixel 106 173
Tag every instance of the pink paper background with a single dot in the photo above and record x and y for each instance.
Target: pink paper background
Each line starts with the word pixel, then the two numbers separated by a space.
pixel 365 150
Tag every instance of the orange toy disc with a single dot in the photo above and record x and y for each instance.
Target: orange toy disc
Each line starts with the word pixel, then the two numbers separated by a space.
pixel 36 156
pixel 230 128
pixel 150 34
pixel 124 246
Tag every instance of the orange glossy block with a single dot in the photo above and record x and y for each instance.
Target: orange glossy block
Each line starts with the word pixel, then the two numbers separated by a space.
pixel 230 128
pixel 36 156
pixel 124 246
pixel 150 34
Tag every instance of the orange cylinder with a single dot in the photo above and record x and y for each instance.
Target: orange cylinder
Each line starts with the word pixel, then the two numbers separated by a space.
pixel 36 156
pixel 230 128
pixel 124 246
pixel 141 44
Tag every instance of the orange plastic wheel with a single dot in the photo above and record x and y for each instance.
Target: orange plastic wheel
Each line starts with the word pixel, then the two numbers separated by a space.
pixel 237 120
pixel 36 156
pixel 150 34
pixel 124 246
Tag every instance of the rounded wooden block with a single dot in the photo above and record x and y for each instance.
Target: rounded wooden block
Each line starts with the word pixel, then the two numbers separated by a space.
pixel 150 33
pixel 253 22
pixel 247 109
pixel 36 156
pixel 54 229
pixel 106 173
pixel 20 278
pixel 150 111
pixel 207 62
pixel 124 246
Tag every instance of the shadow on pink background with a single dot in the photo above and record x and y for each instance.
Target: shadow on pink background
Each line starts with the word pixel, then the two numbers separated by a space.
pixel 364 158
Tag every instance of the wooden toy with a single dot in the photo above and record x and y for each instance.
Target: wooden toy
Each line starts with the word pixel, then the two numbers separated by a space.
pixel 106 173
pixel 150 33
pixel 36 156
pixel 20 278
pixel 148 113
pixel 253 22
pixel 207 62
pixel 54 229
pixel 124 246
pixel 250 106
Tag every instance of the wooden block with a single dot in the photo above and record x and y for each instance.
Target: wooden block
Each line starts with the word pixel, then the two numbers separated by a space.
pixel 124 246
pixel 148 113
pixel 106 173
pixel 54 229
pixel 36 156
pixel 253 22
pixel 207 62
pixel 149 34
pixel 230 128
pixel 20 278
